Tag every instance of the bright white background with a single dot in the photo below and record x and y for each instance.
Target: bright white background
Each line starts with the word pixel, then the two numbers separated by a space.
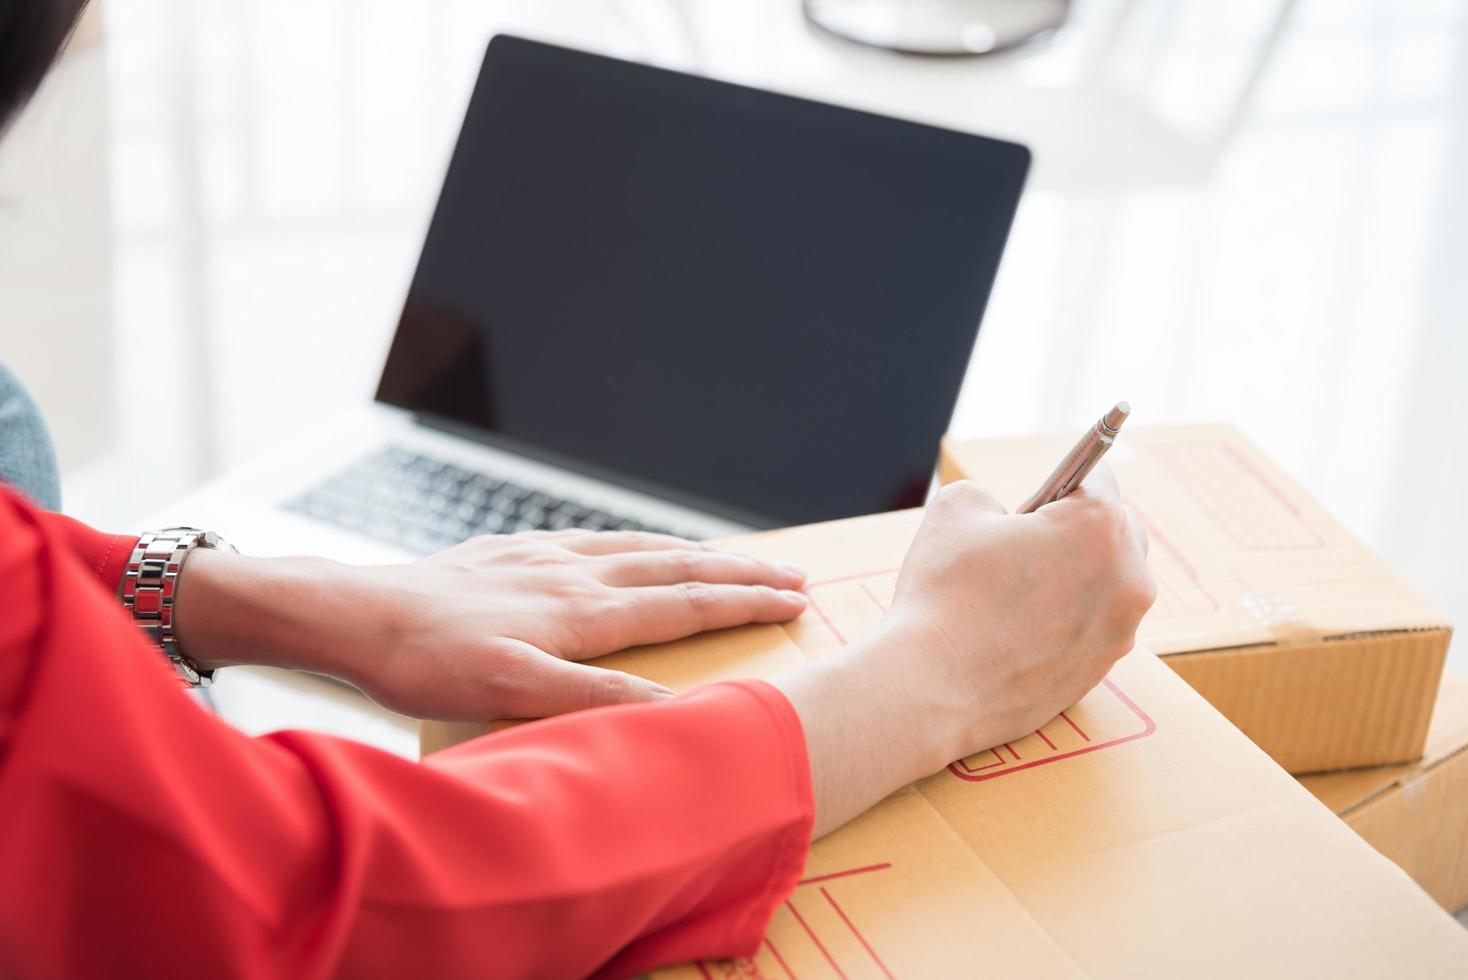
pixel 1248 210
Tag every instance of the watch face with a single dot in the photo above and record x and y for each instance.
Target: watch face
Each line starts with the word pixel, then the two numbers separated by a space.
pixel 211 540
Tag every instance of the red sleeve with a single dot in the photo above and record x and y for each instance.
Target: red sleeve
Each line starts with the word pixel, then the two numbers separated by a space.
pixel 104 555
pixel 141 836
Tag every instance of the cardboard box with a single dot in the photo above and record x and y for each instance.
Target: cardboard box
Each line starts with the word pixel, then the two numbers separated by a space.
pixel 1416 814
pixel 1291 627
pixel 1137 834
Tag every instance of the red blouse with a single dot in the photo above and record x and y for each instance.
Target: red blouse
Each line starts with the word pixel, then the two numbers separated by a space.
pixel 140 835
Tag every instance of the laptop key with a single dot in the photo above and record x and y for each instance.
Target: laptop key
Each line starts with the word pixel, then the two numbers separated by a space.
pixel 479 483
pixel 505 501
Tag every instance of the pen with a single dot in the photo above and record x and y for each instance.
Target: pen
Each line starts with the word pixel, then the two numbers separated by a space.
pixel 1080 460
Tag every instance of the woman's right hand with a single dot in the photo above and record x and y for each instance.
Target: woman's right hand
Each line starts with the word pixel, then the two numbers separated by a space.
pixel 1018 616
pixel 999 623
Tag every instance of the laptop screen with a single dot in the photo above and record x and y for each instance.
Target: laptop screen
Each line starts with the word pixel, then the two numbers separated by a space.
pixel 756 305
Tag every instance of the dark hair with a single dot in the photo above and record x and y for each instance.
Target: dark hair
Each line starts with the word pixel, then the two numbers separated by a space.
pixel 31 33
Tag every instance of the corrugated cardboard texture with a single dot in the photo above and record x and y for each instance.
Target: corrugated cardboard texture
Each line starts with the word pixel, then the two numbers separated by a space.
pixel 1266 605
pixel 1136 835
pixel 1416 814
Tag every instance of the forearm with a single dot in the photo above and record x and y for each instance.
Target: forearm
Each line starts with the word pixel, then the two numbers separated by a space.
pixel 872 723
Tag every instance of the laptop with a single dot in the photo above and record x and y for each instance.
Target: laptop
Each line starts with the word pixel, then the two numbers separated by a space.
pixel 650 300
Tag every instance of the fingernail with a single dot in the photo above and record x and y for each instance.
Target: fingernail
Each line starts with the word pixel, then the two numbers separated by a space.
pixel 794 596
pixel 795 570
pixel 663 695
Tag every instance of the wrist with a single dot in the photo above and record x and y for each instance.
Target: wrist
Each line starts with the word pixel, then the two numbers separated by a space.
pixel 929 713
pixel 235 609
pixel 872 722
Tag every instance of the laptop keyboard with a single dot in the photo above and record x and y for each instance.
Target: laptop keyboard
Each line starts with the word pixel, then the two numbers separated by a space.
pixel 425 504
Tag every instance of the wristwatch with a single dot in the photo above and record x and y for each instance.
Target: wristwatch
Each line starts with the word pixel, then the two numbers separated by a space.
pixel 150 585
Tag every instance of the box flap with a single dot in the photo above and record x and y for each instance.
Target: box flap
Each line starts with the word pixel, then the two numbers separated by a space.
pixel 1246 557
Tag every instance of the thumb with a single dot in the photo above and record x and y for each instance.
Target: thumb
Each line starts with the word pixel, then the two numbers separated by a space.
pixel 558 686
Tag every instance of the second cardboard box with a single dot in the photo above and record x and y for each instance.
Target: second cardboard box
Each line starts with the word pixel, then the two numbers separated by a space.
pixel 1266 605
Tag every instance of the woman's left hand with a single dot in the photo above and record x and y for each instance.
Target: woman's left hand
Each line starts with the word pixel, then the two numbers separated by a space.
pixel 491 628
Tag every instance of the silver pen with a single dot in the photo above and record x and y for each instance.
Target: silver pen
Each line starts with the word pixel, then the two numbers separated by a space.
pixel 1080 460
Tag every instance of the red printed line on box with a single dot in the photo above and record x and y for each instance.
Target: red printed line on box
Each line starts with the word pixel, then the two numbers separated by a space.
pixel 826 940
pixel 1240 497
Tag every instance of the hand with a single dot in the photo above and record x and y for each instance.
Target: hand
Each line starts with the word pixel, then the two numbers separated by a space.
pixel 488 629
pixel 1021 615
pixel 999 622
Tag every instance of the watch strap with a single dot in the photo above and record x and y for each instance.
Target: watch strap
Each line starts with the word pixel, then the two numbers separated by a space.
pixel 149 588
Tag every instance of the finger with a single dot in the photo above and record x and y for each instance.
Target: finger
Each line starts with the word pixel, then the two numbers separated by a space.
pixel 1097 492
pixel 969 497
pixel 616 542
pixel 558 686
pixel 643 568
pixel 670 612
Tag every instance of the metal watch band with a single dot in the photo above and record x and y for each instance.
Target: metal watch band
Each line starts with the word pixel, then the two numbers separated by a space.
pixel 150 584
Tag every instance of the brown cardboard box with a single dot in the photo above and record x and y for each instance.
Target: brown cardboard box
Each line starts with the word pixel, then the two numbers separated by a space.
pixel 1291 627
pixel 1416 814
pixel 1138 834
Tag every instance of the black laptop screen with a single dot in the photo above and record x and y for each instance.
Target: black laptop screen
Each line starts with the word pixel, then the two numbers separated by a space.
pixel 754 304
